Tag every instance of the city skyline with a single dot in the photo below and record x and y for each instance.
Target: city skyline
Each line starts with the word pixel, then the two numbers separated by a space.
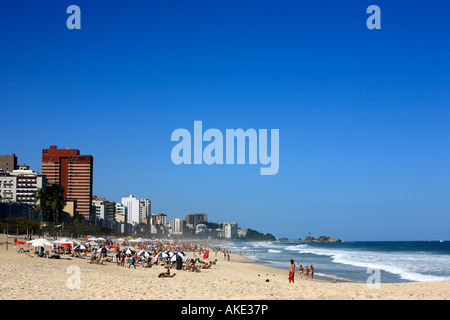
pixel 362 114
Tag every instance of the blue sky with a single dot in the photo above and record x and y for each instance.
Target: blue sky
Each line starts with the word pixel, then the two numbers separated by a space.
pixel 363 114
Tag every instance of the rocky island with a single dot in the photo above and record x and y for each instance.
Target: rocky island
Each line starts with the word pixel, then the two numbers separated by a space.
pixel 321 239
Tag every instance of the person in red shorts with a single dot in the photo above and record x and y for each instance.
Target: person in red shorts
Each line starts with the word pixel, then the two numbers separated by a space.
pixel 291 272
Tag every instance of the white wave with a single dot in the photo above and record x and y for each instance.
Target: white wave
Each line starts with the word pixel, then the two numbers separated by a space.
pixel 409 266
pixel 274 251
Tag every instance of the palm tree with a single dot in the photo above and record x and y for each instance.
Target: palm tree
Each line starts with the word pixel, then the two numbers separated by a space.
pixel 41 203
pixel 56 201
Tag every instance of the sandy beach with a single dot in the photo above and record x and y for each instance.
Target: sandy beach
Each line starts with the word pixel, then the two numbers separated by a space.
pixel 27 277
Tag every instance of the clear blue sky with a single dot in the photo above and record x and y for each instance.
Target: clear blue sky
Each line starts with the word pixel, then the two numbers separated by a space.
pixel 363 114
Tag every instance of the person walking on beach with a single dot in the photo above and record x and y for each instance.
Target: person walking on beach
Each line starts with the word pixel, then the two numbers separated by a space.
pixel 300 271
pixel 306 272
pixel 291 272
pixel 132 262
pixel 311 270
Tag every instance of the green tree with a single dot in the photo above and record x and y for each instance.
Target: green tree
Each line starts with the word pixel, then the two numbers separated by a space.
pixel 56 200
pixel 41 203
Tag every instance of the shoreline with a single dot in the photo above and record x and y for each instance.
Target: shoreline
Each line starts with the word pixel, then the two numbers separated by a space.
pixel 24 277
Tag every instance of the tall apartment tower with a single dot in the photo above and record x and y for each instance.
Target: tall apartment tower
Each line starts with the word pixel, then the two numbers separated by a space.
pixel 74 172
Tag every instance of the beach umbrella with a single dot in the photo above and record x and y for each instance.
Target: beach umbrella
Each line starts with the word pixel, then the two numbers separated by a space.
pixel 161 255
pixel 93 243
pixel 170 253
pixel 45 242
pixel 145 254
pixel 174 257
pixel 128 251
pixel 79 247
pixel 100 239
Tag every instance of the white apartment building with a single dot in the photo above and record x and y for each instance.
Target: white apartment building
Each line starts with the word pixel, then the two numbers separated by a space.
pixel 121 213
pixel 229 230
pixel 178 226
pixel 8 186
pixel 99 209
pixel 21 186
pixel 132 205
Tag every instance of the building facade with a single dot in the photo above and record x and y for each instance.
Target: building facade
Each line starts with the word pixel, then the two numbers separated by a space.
pixel 74 172
pixel 28 183
pixel 8 187
pixel 145 210
pixel 132 205
pixel 230 230
pixel 178 226
pixel 8 163
pixel 159 219
pixel 121 213
pixel 20 186
pixel 193 219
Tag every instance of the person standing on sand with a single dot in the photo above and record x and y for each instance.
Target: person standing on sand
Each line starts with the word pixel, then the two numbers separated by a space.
pixel 300 271
pixel 306 272
pixel 311 269
pixel 291 272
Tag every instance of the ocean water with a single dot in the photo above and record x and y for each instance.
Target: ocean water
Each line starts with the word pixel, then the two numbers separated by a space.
pixel 395 261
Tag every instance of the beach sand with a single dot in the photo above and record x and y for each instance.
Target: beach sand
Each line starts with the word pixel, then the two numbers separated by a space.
pixel 25 277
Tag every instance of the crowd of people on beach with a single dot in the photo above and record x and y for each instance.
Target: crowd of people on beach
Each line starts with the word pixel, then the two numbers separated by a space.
pixel 132 253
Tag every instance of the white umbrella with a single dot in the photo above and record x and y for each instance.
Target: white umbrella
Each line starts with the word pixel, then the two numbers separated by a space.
pixel 129 251
pixel 45 242
pixel 100 239
pixel 93 243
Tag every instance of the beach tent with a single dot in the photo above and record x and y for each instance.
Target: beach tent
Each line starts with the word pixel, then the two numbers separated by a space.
pixel 66 242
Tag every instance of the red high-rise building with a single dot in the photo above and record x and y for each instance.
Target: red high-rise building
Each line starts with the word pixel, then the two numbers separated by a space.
pixel 74 172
